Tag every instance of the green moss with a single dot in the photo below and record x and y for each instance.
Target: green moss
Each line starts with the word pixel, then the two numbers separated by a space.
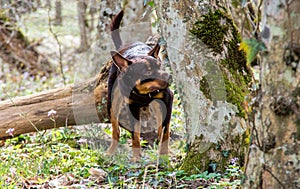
pixel 210 31
pixel 236 94
pixel 223 153
pixel 216 30
pixel 195 161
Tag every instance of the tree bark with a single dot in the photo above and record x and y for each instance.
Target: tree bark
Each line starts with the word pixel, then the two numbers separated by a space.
pixel 274 160
pixel 136 21
pixel 92 11
pixel 58 10
pixel 48 4
pixel 81 11
pixel 81 104
pixel 211 77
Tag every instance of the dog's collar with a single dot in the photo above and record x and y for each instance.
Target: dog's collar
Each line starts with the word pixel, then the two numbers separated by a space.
pixel 143 99
pixel 149 95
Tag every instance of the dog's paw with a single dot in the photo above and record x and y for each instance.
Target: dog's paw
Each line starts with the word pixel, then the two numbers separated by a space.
pixel 110 152
pixel 135 159
pixel 136 155
pixel 164 150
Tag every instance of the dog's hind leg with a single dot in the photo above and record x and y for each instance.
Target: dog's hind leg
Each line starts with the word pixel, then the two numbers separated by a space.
pixel 164 129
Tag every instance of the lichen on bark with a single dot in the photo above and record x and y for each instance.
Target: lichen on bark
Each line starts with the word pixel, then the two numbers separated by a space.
pixel 216 30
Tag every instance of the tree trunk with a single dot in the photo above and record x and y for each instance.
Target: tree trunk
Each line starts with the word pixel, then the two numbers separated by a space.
pixel 17 51
pixel 93 11
pixel 274 160
pixel 48 4
pixel 58 16
pixel 211 76
pixel 136 21
pixel 81 104
pixel 81 11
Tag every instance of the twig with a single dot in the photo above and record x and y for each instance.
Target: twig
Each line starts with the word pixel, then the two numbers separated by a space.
pixel 277 179
pixel 59 46
pixel 159 149
pixel 290 24
pixel 258 16
pixel 145 174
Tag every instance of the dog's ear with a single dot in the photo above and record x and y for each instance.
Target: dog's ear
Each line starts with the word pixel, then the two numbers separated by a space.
pixel 154 51
pixel 121 62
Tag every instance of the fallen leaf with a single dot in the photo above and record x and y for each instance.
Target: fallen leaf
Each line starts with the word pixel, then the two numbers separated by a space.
pixel 98 174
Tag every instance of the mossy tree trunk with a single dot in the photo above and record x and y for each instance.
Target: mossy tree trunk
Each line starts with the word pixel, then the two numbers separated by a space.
pixel 212 78
pixel 274 160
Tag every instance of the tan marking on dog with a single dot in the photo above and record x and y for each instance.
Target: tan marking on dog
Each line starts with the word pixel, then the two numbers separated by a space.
pixel 159 95
pixel 127 100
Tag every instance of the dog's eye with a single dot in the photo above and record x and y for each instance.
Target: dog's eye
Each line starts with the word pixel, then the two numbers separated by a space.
pixel 149 71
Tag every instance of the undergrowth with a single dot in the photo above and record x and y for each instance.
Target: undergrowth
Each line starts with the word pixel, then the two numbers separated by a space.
pixel 62 158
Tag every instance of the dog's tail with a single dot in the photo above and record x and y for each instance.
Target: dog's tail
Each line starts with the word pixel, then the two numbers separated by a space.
pixel 114 28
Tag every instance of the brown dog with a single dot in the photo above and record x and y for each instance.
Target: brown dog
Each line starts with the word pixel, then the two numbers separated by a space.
pixel 138 92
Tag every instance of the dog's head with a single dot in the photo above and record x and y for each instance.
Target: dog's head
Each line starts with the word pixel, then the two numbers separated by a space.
pixel 141 73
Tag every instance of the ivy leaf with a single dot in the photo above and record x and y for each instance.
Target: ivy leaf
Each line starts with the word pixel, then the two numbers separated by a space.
pixel 252 47
pixel 150 3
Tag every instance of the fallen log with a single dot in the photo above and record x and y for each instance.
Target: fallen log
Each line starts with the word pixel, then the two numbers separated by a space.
pixel 74 105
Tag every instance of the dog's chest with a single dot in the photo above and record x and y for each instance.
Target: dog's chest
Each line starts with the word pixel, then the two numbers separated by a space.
pixel 150 117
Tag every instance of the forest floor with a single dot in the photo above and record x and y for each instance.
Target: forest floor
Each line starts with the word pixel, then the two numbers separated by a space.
pixel 70 158
pixel 74 157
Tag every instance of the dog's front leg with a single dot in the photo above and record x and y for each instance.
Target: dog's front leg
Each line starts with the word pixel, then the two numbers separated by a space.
pixel 136 145
pixel 164 135
pixel 115 134
pixel 136 132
